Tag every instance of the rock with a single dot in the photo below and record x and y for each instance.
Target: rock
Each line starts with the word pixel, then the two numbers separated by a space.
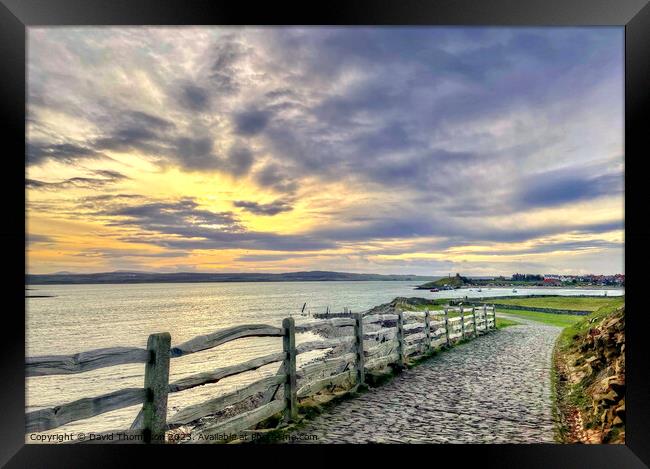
pixel 618 387
pixel 620 410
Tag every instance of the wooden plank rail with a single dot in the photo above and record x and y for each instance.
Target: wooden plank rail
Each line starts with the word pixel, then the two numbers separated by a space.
pixel 211 377
pixel 194 412
pixel 318 385
pixel 208 341
pixel 382 349
pixel 385 333
pixel 84 361
pixel 334 322
pixel 419 337
pixel 325 365
pixel 375 318
pixel 240 422
pixel 47 419
pixel 325 344
pixel 417 348
pixel 381 362
pixel 413 328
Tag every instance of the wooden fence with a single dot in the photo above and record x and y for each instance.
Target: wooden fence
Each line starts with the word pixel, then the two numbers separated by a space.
pixel 362 343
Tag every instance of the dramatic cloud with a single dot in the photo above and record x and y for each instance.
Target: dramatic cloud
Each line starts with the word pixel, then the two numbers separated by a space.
pixel 382 148
pixel 107 177
pixel 251 122
pixel 272 208
pixel 183 225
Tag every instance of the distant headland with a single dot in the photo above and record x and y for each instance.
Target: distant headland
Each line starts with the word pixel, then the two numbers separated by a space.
pixel 61 278
pixel 525 280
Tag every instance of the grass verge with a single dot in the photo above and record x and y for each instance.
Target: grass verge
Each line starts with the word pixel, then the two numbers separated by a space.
pixel 559 320
pixel 574 391
pixel 502 322
pixel 559 302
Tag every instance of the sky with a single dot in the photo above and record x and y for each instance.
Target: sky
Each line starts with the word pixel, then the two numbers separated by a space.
pixel 484 151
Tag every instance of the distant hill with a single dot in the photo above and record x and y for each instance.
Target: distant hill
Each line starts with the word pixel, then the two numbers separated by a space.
pixel 195 277
pixel 454 282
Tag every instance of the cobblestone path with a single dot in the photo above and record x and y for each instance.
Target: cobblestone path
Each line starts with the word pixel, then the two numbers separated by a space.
pixel 493 389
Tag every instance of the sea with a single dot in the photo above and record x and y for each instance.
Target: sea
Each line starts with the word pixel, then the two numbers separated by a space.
pixel 67 319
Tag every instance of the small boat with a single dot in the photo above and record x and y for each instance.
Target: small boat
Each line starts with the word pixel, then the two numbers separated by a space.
pixel 434 290
pixel 514 290
pixel 479 290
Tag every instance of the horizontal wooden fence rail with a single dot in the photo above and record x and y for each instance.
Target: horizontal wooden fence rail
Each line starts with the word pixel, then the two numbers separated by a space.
pixel 363 343
pixel 84 361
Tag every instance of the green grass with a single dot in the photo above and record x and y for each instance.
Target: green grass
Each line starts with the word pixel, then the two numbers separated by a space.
pixel 444 282
pixel 502 322
pixel 558 302
pixel 560 320
pixel 432 304
pixel 582 326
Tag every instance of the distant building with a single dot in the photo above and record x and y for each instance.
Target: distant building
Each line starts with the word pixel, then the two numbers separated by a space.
pixel 551 281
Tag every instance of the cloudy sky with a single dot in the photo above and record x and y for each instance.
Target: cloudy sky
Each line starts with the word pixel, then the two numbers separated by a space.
pixel 390 150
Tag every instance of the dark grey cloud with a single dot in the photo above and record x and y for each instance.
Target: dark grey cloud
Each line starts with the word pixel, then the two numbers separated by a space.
pixel 185 212
pixel 226 55
pixel 572 246
pixel 36 238
pixel 107 177
pixel 273 175
pixel 38 152
pixel 158 138
pixel 272 208
pixel 251 122
pixel 112 253
pixel 195 153
pixel 194 97
pixel 136 130
pixel 561 187
pixel 182 224
pixel 455 231
pixel 239 161
pixel 277 257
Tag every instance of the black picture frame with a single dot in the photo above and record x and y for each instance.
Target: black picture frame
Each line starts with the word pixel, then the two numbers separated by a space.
pixel 17 15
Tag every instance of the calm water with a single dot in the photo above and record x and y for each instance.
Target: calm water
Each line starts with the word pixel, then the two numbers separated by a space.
pixel 84 317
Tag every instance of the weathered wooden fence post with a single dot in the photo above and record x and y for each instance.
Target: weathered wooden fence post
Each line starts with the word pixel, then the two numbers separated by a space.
pixel 474 321
pixel 462 322
pixel 156 382
pixel 289 348
pixel 427 331
pixel 494 315
pixel 447 326
pixel 358 331
pixel 400 339
pixel 485 318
